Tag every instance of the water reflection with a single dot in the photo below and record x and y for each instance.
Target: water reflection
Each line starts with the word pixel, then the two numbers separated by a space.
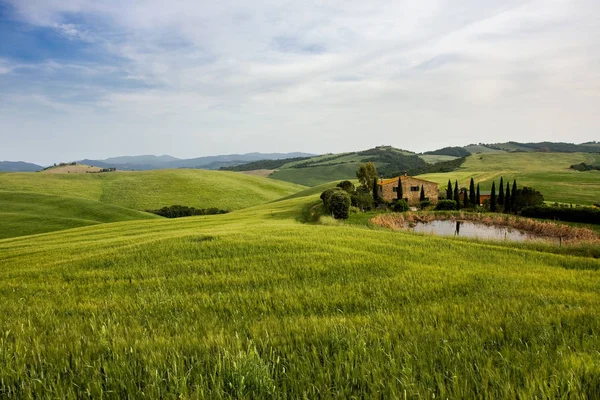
pixel 475 230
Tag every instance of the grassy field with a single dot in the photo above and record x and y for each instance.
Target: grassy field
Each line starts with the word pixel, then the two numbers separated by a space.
pixel 255 304
pixel 547 172
pixel 30 213
pixel 314 176
pixel 146 190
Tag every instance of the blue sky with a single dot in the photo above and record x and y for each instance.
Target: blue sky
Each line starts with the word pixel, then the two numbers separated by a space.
pixel 89 79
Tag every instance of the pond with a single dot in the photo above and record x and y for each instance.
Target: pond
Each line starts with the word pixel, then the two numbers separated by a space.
pixel 476 230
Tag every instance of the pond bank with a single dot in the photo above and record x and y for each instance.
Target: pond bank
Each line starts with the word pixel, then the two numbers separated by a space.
pixel 559 232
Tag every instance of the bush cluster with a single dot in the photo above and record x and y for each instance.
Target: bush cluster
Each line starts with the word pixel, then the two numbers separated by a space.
pixel 587 215
pixel 446 205
pixel 337 202
pixel 178 211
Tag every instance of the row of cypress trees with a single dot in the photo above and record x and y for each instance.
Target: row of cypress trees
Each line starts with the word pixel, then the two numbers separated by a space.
pixel 506 199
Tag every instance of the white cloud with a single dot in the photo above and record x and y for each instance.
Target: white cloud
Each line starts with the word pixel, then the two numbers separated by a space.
pixel 338 73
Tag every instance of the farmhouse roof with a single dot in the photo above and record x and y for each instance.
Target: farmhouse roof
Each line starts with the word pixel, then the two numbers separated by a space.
pixel 383 182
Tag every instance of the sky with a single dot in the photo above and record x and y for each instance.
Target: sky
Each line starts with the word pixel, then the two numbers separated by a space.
pixel 94 79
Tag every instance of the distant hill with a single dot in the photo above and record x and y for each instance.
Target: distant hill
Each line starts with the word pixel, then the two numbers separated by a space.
pixel 317 170
pixel 145 159
pixel 19 166
pixel 150 162
pixel 151 190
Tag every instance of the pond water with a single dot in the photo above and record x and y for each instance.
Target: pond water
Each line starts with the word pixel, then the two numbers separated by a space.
pixel 475 230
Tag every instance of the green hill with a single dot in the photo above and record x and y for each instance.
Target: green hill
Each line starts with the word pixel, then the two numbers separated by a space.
pixel 31 213
pixel 326 168
pixel 547 172
pixel 146 190
pixel 254 304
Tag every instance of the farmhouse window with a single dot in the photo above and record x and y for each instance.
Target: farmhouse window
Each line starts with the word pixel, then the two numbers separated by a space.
pixel 414 188
pixel 395 189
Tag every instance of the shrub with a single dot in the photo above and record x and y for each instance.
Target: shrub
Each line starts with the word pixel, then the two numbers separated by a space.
pixel 587 215
pixel 178 211
pixel 400 206
pixel 339 204
pixel 326 196
pixel 424 204
pixel 362 200
pixel 347 186
pixel 527 197
pixel 446 205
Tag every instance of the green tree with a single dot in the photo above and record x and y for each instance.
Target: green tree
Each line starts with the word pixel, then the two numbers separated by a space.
pixel 456 195
pixel 507 198
pixel 339 204
pixel 399 193
pixel 472 195
pixel 478 196
pixel 493 198
pixel 449 190
pixel 422 196
pixel 362 200
pixel 347 186
pixel 366 174
pixel 513 197
pixel 501 192
pixel 375 191
pixel 527 197
pixel 466 199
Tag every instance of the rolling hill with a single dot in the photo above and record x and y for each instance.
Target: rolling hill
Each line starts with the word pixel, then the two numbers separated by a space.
pixel 19 166
pixel 32 213
pixel 151 162
pixel 146 190
pixel 546 172
pixel 255 304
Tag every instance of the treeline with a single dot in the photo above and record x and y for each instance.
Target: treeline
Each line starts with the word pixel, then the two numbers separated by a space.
pixel 450 151
pixel 396 163
pixel 178 211
pixel 263 164
pixel 587 215
pixel 585 167
pixel 558 147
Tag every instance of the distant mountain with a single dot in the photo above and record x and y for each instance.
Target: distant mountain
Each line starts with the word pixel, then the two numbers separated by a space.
pixel 150 162
pixel 19 166
pixel 145 159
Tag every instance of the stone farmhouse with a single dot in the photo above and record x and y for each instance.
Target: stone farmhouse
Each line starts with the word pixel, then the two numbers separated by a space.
pixel 411 189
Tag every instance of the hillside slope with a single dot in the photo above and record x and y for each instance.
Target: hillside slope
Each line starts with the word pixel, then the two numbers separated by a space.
pixel 546 172
pixel 253 304
pixel 147 190
pixel 32 213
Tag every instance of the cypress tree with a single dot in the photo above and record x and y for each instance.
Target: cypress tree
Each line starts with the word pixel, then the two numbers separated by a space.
pixel 456 196
pixel 513 195
pixel 422 197
pixel 375 191
pixel 478 196
pixel 466 200
pixel 501 192
pixel 507 198
pixel 493 198
pixel 472 194
pixel 449 190
pixel 399 190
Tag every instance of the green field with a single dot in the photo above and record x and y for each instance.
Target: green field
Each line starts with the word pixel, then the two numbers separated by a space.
pixel 256 304
pixel 547 172
pixel 32 203
pixel 148 190
pixel 318 175
pixel 30 213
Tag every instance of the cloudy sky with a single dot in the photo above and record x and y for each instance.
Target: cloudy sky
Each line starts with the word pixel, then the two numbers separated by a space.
pixel 88 78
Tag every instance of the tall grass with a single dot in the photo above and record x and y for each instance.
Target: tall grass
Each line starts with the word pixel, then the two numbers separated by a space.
pixel 254 304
